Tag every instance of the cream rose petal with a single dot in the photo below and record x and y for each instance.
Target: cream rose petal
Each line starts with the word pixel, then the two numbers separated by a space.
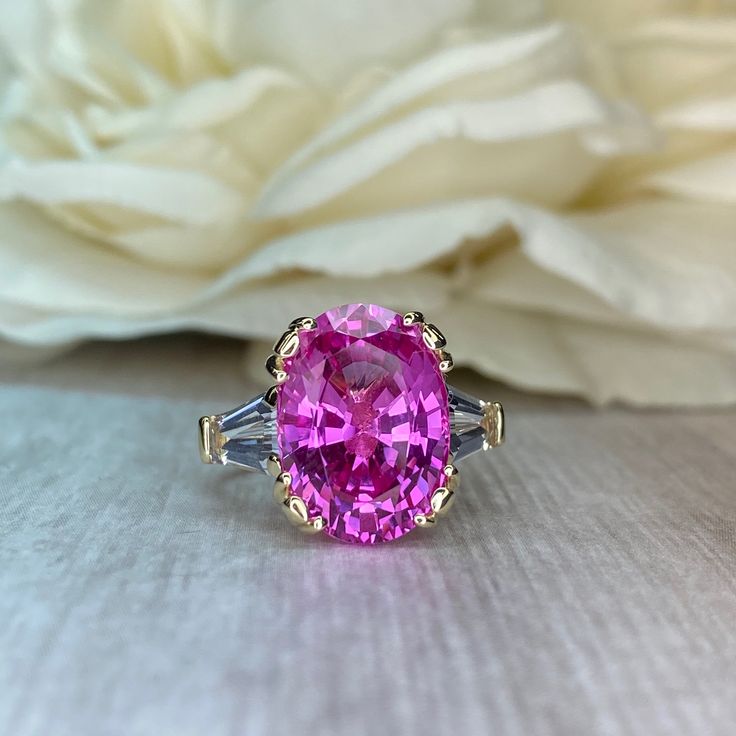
pixel 388 243
pixel 547 109
pixel 276 304
pixel 526 348
pixel 715 114
pixel 449 147
pixel 78 276
pixel 208 103
pixel 211 245
pixel 511 280
pixel 639 258
pixel 448 66
pixel 665 262
pixel 186 197
pixel 661 261
pixel 677 60
pixel 66 56
pixel 326 40
pixel 711 179
pixel 548 353
pixel 614 18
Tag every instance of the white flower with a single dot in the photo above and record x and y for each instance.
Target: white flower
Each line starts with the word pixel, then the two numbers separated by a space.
pixel 555 185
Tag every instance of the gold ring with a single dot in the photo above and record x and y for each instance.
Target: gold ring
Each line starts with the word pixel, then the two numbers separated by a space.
pixel 360 429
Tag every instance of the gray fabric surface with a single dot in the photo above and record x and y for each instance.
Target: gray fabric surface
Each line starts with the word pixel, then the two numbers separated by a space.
pixel 583 584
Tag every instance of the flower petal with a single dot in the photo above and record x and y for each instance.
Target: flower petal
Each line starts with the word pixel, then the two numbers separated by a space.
pixel 206 104
pixel 711 178
pixel 182 196
pixel 552 108
pixel 444 70
pixel 276 304
pixel 76 275
pixel 547 353
pixel 329 41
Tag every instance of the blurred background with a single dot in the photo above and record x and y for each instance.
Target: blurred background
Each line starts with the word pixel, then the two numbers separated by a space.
pixel 554 183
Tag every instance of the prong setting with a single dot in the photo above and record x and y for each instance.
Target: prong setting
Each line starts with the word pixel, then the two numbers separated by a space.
pixel 441 500
pixel 446 361
pixel 452 477
pixel 210 441
pixel 444 496
pixel 413 318
pixel 205 439
pixel 303 323
pixel 493 424
pixel 271 396
pixel 296 510
pixel 281 487
pixel 275 366
pixel 433 338
pixel 288 344
pixel 317 524
pixel 293 506
pixel 273 465
pixel 297 513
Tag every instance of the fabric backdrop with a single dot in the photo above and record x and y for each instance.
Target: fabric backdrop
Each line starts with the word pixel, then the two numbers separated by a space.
pixel 582 585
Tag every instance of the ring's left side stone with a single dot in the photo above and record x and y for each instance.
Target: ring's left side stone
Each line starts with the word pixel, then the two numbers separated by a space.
pixel 244 436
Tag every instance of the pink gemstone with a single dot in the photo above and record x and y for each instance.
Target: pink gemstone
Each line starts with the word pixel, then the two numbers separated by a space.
pixel 363 423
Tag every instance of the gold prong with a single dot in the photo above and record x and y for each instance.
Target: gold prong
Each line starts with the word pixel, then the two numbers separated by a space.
pixel 210 441
pixel 441 500
pixel 273 465
pixel 433 338
pixel 413 318
pixel 452 475
pixel 271 395
pixel 296 510
pixel 303 323
pixel 288 344
pixel 204 440
pixel 281 487
pixel 425 520
pixel 275 366
pixel 446 361
pixel 493 424
pixel 313 525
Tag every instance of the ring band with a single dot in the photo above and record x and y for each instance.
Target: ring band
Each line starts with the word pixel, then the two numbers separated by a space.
pixel 361 430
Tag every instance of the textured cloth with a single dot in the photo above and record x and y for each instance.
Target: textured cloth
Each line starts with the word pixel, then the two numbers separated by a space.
pixel 583 583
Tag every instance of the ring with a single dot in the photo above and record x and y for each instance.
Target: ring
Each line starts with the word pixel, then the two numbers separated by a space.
pixel 360 430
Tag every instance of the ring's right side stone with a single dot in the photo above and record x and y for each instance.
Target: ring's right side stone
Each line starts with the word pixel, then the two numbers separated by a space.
pixel 474 424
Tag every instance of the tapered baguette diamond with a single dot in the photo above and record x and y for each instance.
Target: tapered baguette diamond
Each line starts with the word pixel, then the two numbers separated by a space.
pixel 245 436
pixel 474 424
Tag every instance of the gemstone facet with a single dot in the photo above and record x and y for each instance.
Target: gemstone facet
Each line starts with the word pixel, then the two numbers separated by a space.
pixel 364 423
pixel 245 436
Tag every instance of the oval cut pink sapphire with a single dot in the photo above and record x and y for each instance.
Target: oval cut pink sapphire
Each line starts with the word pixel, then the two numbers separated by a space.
pixel 363 423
